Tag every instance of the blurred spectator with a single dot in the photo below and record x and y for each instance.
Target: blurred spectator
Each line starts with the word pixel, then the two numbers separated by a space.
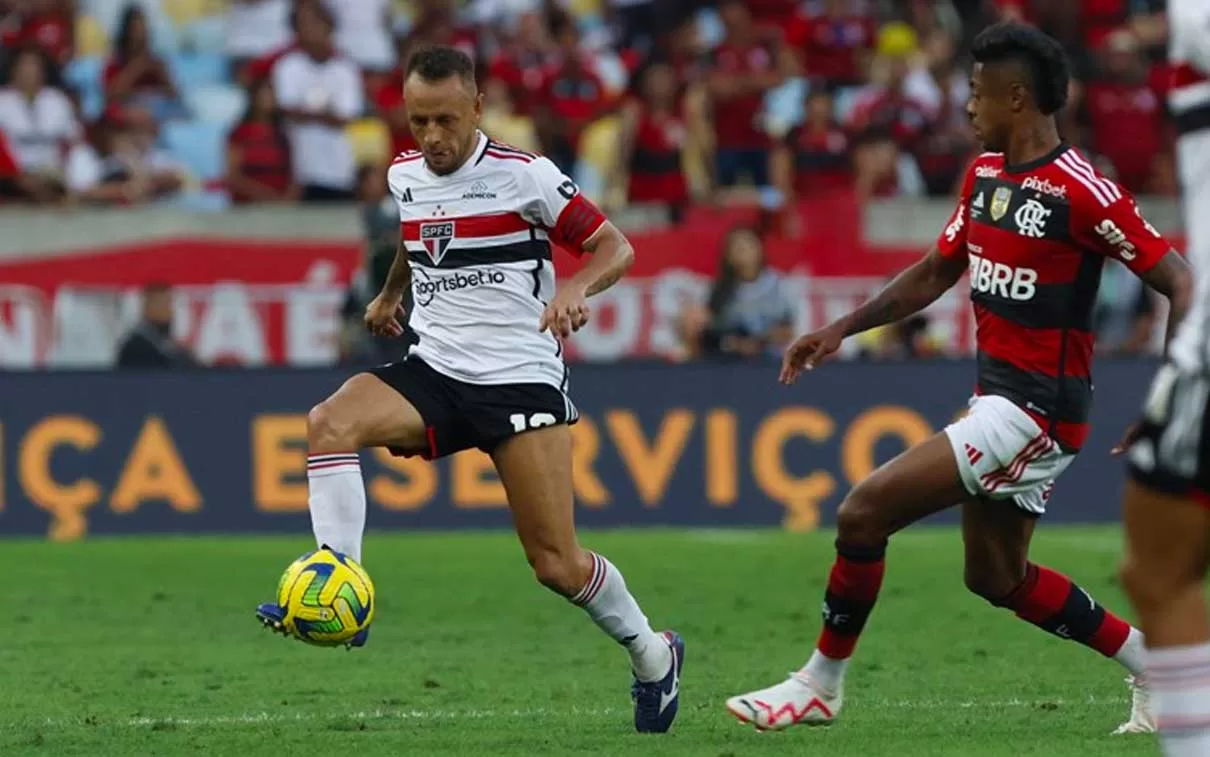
pixel 572 96
pixel 1124 317
pixel 652 137
pixel 943 91
pixel 502 122
pixel 256 29
pixel 436 23
pixel 749 311
pixel 908 339
pixel 638 24
pixel 1125 114
pixel 48 25
pixel 834 45
pixel 126 167
pixel 363 33
pixel 744 70
pixel 886 120
pixel 387 97
pixel 522 62
pixel 40 124
pixel 150 344
pixel 259 164
pixel 320 93
pixel 813 158
pixel 135 75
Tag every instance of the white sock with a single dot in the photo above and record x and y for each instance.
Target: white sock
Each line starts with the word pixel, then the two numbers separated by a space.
pixel 826 672
pixel 1133 654
pixel 337 501
pixel 615 611
pixel 1179 678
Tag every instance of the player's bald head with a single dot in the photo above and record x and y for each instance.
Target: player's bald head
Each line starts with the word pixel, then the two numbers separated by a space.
pixel 437 65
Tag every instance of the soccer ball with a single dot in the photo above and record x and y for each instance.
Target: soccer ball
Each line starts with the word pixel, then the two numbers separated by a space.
pixel 327 597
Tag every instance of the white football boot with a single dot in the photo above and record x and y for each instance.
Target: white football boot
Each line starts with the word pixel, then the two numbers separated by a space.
pixel 1142 720
pixel 794 701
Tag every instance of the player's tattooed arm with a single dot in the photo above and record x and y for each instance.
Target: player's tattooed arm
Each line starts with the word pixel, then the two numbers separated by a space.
pixel 1172 278
pixel 399 278
pixel 915 288
pixel 611 257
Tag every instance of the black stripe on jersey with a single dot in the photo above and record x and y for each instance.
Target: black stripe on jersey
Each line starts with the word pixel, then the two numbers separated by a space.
pixel 537 281
pixel 1196 118
pixel 997 203
pixel 494 145
pixel 1037 391
pixel 506 253
pixel 1051 307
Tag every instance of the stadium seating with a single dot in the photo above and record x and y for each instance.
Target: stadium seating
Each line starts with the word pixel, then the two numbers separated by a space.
pixel 83 74
pixel 221 104
pixel 199 145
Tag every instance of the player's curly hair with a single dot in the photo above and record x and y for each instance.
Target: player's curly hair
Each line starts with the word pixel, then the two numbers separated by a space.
pixel 437 62
pixel 1037 52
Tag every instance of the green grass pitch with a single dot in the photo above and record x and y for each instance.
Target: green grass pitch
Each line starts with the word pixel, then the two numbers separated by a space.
pixel 149 647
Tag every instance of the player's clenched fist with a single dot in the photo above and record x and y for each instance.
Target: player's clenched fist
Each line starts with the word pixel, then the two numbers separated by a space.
pixel 385 315
pixel 565 314
pixel 808 350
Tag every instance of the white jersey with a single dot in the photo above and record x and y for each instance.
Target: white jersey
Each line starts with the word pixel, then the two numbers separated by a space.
pixel 1189 101
pixel 479 243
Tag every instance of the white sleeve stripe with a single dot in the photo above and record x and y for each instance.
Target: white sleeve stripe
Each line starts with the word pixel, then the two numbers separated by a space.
pixel 1080 162
pixel 1110 190
pixel 1087 184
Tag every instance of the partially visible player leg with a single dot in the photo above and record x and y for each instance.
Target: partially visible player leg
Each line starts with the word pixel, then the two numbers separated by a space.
pixel 535 468
pixel 1167 558
pixel 364 412
pixel 996 536
pixel 921 481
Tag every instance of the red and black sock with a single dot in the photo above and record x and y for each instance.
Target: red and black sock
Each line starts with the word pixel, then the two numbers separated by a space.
pixel 852 591
pixel 1052 602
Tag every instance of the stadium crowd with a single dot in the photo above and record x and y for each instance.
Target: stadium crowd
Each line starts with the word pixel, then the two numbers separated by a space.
pixel 648 103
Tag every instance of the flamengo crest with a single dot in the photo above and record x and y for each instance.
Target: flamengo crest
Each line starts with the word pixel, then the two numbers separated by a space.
pixel 436 238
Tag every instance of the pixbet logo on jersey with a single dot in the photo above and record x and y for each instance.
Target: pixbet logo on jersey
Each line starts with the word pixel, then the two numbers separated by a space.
pixel 425 287
pixel 1044 186
pixel 436 238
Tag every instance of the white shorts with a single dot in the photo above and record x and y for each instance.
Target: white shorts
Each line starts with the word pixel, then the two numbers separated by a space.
pixel 1003 454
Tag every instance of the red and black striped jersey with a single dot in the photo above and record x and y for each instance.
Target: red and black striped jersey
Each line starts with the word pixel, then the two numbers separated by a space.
pixel 1035 236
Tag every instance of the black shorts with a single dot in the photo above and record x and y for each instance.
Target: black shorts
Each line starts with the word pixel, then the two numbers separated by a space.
pixel 1172 453
pixel 459 416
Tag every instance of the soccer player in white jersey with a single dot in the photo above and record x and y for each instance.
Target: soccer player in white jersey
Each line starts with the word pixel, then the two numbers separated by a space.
pixel 1167 500
pixel 479 222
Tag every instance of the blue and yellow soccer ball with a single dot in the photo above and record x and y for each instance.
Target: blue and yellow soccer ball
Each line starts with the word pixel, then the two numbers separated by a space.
pixel 327 598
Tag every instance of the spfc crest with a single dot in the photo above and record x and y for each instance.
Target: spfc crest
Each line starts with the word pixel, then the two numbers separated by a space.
pixel 436 238
pixel 1000 202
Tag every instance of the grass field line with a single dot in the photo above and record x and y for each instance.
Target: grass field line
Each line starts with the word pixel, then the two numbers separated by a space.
pixel 530 713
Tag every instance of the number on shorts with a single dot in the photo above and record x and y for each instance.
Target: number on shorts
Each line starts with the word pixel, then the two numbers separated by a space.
pixel 537 420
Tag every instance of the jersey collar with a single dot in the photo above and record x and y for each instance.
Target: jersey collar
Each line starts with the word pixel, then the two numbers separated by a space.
pixel 475 156
pixel 1038 162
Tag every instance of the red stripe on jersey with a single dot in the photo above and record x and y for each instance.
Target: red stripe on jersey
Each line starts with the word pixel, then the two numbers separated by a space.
pixel 469 227
pixel 1071 435
pixel 1184 75
pixel 507 156
pixel 1034 350
pixel 1054 261
pixel 406 158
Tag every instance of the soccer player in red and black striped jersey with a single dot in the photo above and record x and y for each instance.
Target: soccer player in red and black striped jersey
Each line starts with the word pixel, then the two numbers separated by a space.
pixel 1034 226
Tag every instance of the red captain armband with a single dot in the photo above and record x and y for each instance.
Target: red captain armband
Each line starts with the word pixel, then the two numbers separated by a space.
pixel 579 220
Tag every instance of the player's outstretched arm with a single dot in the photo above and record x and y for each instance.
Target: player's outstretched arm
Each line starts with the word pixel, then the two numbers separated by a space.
pixel 385 314
pixel 1172 278
pixel 610 257
pixel 915 288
